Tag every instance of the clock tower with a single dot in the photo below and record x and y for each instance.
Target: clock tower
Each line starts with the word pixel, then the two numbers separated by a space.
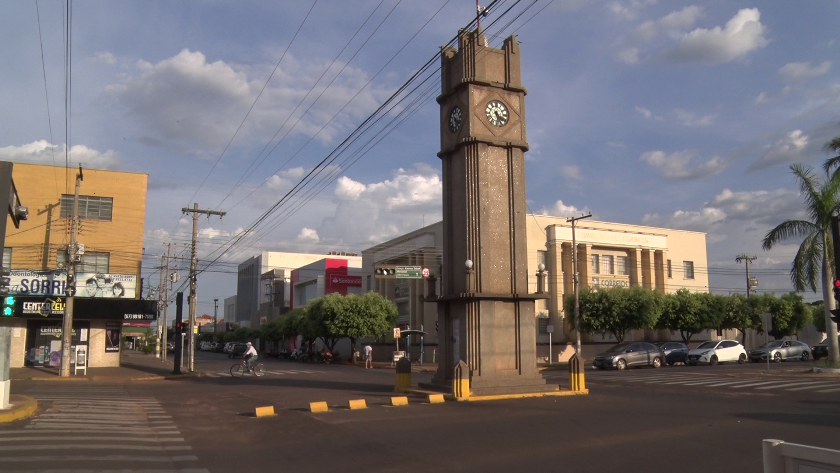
pixel 487 315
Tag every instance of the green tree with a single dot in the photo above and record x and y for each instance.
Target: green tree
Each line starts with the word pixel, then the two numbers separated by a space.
pixel 742 313
pixel 321 314
pixel 790 314
pixel 616 310
pixel 811 265
pixel 817 311
pixel 367 316
pixel 272 330
pixel 690 313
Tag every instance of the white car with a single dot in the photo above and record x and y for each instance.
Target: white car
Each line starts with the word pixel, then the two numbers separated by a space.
pixel 717 351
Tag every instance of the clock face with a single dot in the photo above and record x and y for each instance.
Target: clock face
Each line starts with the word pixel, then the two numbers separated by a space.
pixel 455 119
pixel 497 113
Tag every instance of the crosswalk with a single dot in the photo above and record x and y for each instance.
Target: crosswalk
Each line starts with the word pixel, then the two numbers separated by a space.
pixel 95 429
pixel 659 377
pixel 222 374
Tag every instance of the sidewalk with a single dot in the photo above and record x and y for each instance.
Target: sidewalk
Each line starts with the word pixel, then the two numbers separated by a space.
pixel 136 366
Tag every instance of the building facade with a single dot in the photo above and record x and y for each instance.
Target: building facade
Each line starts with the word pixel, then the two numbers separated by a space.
pixel 609 255
pixel 111 210
pixel 342 275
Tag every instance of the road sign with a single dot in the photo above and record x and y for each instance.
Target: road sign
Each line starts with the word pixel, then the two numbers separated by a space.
pixel 409 272
pixel 426 273
pixel 396 332
pixel 549 328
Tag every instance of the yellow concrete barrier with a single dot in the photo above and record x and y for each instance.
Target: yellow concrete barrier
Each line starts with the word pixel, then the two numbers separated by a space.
pixel 264 411
pixel 399 400
pixel 358 404
pixel 577 378
pixel 461 381
pixel 318 407
pixel 435 398
pixel 403 375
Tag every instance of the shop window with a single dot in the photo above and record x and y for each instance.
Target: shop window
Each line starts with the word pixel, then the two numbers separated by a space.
pixel 596 266
pixel 7 258
pixel 621 266
pixel 688 267
pixel 670 274
pixel 90 207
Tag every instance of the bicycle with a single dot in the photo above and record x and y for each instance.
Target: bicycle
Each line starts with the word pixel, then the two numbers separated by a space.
pixel 239 369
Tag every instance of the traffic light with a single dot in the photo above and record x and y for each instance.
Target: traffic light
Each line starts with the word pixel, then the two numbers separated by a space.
pixel 5 280
pixel 70 287
pixel 385 271
pixel 8 306
pixel 835 314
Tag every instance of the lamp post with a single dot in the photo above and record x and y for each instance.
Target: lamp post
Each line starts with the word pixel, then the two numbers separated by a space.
pixel 468 266
pixel 576 280
pixel 215 321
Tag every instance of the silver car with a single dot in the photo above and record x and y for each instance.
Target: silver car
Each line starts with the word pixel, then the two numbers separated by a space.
pixel 779 350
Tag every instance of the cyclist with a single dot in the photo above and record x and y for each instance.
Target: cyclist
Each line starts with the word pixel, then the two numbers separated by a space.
pixel 250 355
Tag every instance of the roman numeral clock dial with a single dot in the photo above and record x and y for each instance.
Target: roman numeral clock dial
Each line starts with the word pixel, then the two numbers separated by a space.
pixel 497 113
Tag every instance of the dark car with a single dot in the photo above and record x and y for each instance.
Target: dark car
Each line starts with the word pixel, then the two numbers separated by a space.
pixel 237 350
pixel 675 352
pixel 629 354
pixel 820 350
pixel 170 347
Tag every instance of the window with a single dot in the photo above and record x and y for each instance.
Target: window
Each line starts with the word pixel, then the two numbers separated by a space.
pixel 596 267
pixel 607 264
pixel 90 207
pixel 92 262
pixel 542 325
pixel 670 275
pixel 688 267
pixel 621 266
pixel 7 258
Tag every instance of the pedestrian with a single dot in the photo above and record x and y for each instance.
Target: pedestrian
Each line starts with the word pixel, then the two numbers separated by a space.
pixel 368 357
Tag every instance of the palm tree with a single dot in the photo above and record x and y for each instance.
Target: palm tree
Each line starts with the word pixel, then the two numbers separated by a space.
pixel 815 255
pixel 832 146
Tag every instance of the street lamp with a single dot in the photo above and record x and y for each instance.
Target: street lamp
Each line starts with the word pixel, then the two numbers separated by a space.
pixel 468 265
pixel 576 280
pixel 215 321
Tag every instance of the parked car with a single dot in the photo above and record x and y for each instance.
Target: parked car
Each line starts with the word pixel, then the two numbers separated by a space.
pixel 228 347
pixel 779 350
pixel 237 350
pixel 170 347
pixel 219 347
pixel 717 351
pixel 820 350
pixel 629 354
pixel 675 352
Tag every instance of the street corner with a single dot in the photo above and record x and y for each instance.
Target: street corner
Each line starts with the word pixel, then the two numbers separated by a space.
pixel 20 407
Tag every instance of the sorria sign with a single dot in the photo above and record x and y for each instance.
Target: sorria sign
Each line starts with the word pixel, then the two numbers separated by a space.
pixel 344 280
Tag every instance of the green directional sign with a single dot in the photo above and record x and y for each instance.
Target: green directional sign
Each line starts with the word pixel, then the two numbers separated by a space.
pixel 409 272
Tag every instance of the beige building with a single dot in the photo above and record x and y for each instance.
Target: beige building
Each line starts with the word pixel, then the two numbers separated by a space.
pixel 112 212
pixel 609 255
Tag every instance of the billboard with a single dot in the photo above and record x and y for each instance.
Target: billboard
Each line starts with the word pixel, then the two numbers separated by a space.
pixel 26 282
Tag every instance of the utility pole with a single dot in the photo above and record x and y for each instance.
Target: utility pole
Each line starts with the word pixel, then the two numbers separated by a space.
pixel 160 345
pixel 576 280
pixel 748 260
pixel 165 337
pixel 215 320
pixel 193 276
pixel 45 256
pixel 70 290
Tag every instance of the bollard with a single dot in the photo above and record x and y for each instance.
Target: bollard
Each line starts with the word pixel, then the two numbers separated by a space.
pixel 399 400
pixel 435 398
pixel 576 373
pixel 319 406
pixel 403 375
pixel 357 404
pixel 265 411
pixel 461 381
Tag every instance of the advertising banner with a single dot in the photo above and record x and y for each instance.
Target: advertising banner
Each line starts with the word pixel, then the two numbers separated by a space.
pixel 26 282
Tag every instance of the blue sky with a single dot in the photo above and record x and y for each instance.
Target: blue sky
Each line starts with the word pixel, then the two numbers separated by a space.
pixel 666 113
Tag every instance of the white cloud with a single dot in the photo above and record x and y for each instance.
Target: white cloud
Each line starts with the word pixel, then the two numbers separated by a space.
pixel 284 179
pixel 308 234
pixel 669 26
pixel 794 71
pixel 762 98
pixel 559 209
pixel 41 152
pixel 767 207
pixel 690 119
pixel 628 10
pixel 647 113
pixel 676 165
pixel 189 104
pixel 571 172
pixel 743 34
pixel 103 58
pixel 793 147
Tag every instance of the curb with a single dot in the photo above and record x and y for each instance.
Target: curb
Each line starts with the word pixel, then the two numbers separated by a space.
pixel 22 407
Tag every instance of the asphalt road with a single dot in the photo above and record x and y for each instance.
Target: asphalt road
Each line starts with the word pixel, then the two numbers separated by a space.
pixel 634 420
